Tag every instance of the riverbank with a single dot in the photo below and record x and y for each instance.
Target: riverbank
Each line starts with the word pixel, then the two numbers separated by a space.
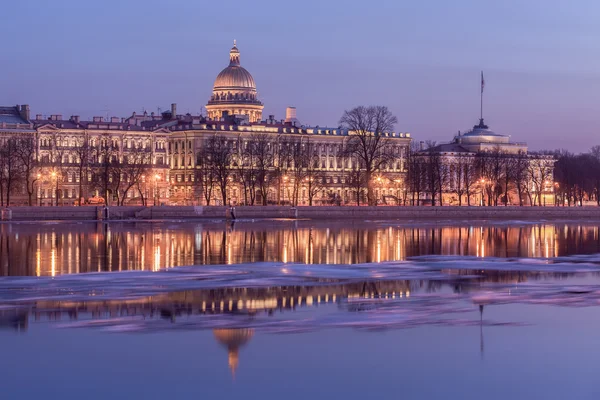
pixel 89 213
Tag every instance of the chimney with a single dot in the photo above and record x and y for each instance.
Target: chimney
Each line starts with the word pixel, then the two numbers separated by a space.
pixel 173 110
pixel 75 118
pixel 38 116
pixel 115 119
pixel 24 111
pixel 290 114
pixel 97 119
pixel 421 145
pixel 56 117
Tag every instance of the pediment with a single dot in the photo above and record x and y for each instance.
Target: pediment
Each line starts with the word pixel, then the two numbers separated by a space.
pixel 47 127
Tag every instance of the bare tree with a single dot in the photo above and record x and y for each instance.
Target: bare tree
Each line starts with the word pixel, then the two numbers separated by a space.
pixel 27 154
pixel 462 176
pixel 367 140
pixel 435 172
pixel 205 173
pixel 82 154
pixel 10 170
pixel 263 152
pixel 220 154
pixel 540 175
pixel 137 163
pixel 416 173
pixel 106 156
pixel 313 175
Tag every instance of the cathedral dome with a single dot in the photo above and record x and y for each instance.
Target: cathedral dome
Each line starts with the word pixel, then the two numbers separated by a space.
pixel 234 77
pixel 234 92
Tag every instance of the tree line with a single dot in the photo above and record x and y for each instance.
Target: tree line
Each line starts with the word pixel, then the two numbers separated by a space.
pixel 95 164
pixel 496 177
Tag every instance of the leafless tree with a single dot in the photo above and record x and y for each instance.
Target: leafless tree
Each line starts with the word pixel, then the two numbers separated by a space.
pixel 82 154
pixel 539 173
pixel 205 173
pixel 136 164
pixel 263 153
pixel 220 153
pixel 27 157
pixel 10 169
pixel 416 173
pixel 106 157
pixel 520 175
pixel 367 140
pixel 436 174
pixel 462 177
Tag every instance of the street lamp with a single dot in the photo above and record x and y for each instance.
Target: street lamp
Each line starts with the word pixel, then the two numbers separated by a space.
pixel 555 193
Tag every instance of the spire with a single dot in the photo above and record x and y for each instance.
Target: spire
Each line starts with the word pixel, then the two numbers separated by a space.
pixel 234 55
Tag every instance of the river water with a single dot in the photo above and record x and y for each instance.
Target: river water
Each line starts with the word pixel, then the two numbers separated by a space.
pixel 297 309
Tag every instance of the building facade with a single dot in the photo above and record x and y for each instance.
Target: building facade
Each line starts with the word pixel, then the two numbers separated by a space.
pixel 165 159
pixel 482 167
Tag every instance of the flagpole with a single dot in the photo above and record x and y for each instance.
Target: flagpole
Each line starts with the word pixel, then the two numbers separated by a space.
pixel 481 99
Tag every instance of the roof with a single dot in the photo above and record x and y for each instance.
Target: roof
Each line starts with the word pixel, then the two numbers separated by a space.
pixel 11 115
pixel 449 148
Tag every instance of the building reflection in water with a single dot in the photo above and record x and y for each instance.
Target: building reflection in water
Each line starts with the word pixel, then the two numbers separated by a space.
pixel 55 249
pixel 248 302
pixel 233 339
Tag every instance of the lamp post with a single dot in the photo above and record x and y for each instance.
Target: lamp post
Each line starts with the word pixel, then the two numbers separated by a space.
pixel 156 179
pixel 556 204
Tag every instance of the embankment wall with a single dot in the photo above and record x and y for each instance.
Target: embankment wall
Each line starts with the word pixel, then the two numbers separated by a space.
pixel 316 212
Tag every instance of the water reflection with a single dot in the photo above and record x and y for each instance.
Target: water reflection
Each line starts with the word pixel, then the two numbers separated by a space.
pixel 66 248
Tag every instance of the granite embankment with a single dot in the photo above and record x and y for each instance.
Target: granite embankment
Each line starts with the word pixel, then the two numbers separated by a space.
pixel 318 212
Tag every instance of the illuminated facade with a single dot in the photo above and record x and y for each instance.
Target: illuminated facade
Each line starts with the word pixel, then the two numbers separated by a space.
pixel 482 167
pixel 174 143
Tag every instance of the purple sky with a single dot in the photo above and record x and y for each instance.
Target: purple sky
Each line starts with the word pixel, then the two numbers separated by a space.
pixel 420 58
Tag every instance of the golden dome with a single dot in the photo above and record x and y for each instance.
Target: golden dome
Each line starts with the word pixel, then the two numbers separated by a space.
pixel 234 76
pixel 234 92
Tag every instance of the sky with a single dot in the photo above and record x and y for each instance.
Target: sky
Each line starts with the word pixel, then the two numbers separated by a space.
pixel 422 59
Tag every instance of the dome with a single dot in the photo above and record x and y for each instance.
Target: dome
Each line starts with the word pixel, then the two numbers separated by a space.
pixel 234 92
pixel 234 77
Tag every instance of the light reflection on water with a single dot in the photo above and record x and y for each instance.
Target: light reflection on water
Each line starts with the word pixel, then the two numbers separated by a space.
pixel 67 248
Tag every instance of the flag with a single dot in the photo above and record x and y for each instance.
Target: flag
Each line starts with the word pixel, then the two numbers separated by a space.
pixel 482 82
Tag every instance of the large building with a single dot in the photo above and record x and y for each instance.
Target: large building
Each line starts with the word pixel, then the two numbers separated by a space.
pixel 482 167
pixel 162 159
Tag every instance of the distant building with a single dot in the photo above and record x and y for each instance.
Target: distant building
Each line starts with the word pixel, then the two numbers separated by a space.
pixel 482 167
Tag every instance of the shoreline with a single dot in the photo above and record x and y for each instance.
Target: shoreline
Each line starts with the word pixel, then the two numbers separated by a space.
pixel 135 213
